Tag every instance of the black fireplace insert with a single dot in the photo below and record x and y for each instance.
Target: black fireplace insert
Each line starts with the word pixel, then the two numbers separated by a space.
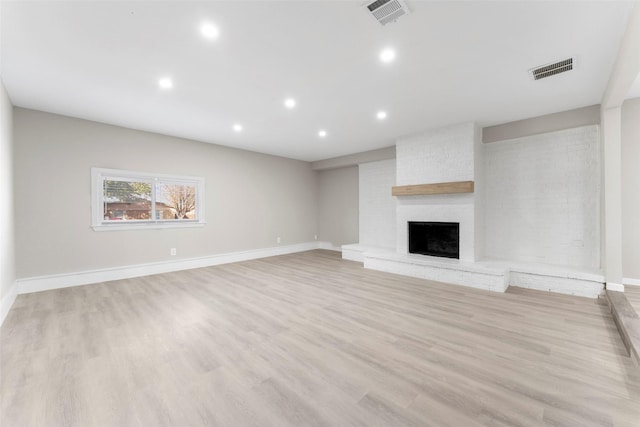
pixel 435 239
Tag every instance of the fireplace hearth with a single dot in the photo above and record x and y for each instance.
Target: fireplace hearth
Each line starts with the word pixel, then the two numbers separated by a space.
pixel 441 239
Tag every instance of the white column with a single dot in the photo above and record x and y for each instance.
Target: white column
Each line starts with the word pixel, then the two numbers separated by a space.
pixel 612 208
pixel 625 71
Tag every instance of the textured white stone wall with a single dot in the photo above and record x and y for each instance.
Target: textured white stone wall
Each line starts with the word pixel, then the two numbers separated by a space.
pixel 439 155
pixel 475 279
pixel 377 205
pixel 537 200
pixel 542 198
pixel 561 285
pixel 351 253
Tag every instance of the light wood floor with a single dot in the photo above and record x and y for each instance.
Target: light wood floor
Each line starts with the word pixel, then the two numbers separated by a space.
pixel 633 295
pixel 310 340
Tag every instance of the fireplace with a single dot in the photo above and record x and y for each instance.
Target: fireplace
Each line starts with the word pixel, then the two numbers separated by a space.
pixel 435 239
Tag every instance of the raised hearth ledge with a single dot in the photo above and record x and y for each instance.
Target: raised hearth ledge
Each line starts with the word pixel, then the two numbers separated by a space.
pixel 436 188
pixel 628 323
pixel 493 275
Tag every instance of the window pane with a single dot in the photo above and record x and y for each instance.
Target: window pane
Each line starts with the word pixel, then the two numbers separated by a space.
pixel 126 200
pixel 136 200
pixel 175 201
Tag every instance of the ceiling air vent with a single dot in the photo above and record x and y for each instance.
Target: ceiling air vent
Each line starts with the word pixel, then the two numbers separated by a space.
pixel 386 11
pixel 552 69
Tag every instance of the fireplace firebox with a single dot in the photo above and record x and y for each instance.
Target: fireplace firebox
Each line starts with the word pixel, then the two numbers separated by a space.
pixel 440 239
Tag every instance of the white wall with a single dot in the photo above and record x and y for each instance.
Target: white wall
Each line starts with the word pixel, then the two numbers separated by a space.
pixel 251 199
pixel 377 205
pixel 445 154
pixel 438 155
pixel 338 206
pixel 7 258
pixel 542 198
pixel 631 189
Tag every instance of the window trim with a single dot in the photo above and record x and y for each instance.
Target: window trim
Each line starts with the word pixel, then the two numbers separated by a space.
pixel 98 175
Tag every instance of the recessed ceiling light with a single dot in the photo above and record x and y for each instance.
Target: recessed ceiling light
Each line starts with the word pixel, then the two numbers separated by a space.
pixel 387 55
pixel 289 103
pixel 209 31
pixel 381 115
pixel 322 133
pixel 237 127
pixel 165 83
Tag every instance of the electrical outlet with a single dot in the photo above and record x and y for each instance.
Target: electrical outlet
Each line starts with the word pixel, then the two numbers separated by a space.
pixel 277 240
pixel 173 252
pixel 315 237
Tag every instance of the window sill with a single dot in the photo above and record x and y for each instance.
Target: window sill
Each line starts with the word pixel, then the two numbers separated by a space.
pixel 146 226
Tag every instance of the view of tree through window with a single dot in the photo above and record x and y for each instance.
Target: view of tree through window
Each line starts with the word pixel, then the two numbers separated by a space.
pixel 181 199
pixel 126 200
pixel 132 200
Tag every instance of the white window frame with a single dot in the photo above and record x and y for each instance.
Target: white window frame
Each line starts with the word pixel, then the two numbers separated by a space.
pixel 98 223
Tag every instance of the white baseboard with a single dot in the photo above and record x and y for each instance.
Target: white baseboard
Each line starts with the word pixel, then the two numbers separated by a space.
pixel 7 302
pixel 611 286
pixel 631 282
pixel 329 246
pixel 57 281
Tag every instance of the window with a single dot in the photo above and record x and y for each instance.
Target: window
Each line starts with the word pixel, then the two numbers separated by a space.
pixel 125 200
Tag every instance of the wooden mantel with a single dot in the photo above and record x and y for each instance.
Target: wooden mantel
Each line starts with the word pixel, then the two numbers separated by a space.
pixel 436 188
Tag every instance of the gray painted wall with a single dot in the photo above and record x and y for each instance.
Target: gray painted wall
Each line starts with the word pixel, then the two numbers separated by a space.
pixel 338 205
pixel 542 124
pixel 631 189
pixel 251 199
pixel 7 257
pixel 356 159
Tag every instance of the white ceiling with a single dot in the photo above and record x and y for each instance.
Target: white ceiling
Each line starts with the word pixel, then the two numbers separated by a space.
pixel 456 61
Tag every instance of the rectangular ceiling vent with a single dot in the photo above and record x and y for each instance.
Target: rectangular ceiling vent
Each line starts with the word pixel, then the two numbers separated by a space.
pixel 551 69
pixel 386 11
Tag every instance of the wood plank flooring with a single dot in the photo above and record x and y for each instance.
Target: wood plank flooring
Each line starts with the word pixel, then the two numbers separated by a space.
pixel 633 295
pixel 310 340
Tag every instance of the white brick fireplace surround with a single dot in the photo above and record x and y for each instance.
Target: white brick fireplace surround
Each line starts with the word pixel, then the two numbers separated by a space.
pixel 531 221
pixel 442 155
